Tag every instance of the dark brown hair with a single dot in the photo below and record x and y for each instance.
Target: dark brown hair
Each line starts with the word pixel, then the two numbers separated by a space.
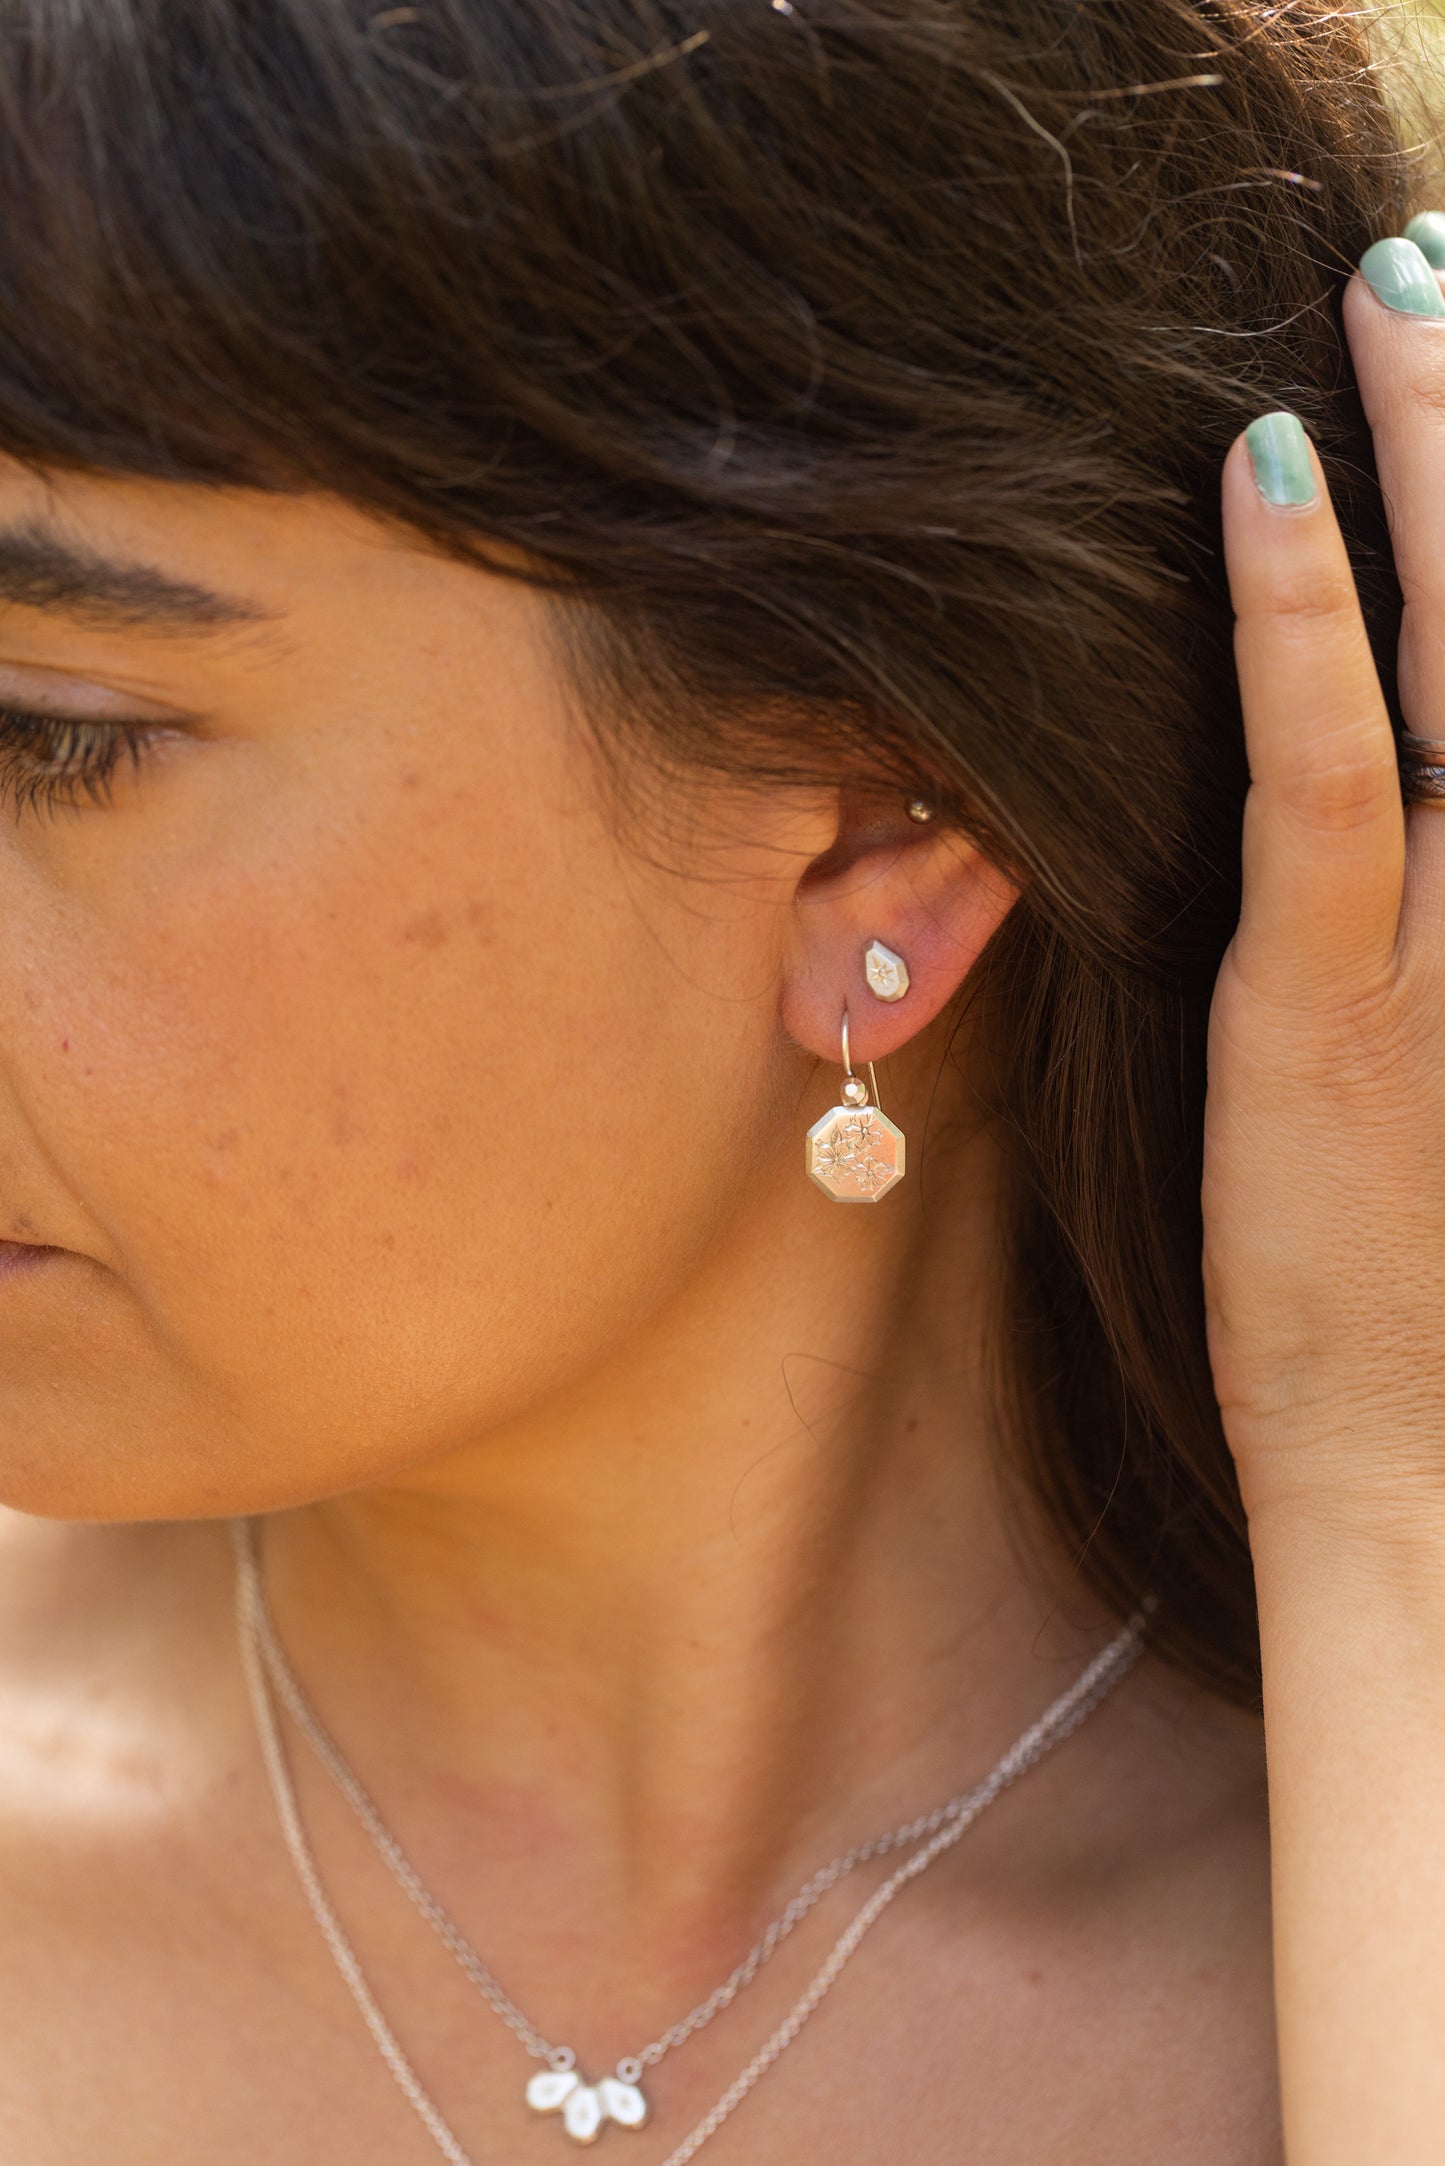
pixel 868 362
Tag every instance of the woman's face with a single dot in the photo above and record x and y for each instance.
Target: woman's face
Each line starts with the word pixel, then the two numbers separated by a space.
pixel 361 1082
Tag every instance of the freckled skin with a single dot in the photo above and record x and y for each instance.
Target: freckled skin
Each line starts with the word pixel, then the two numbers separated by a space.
pixel 429 931
pixel 362 952
pixel 423 1146
pixel 252 986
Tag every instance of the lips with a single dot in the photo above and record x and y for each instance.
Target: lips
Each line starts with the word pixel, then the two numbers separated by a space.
pixel 17 1256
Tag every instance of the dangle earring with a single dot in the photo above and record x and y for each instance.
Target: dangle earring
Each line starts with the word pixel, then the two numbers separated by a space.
pixel 855 1153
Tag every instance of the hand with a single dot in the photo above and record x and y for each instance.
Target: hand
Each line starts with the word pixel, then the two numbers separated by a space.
pixel 1324 1188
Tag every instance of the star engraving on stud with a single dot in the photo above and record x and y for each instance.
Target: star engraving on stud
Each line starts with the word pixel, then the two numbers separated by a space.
pixel 887 973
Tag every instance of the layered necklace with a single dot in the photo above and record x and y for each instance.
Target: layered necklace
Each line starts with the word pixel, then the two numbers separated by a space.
pixel 585 2108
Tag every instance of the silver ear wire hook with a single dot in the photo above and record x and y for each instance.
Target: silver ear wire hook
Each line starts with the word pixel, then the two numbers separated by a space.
pixel 855 1090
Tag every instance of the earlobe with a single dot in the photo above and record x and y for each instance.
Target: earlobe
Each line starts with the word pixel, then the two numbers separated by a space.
pixel 888 925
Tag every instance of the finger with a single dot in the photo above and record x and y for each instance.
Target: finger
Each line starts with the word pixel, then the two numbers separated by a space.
pixel 1395 321
pixel 1324 831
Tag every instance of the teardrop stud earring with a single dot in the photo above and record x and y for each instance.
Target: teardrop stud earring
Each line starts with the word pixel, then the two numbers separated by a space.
pixel 855 1153
pixel 887 973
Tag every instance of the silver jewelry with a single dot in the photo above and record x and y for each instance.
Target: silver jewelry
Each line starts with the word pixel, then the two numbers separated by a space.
pixel 920 810
pixel 854 1152
pixel 887 973
pixel 559 2087
pixel 1422 769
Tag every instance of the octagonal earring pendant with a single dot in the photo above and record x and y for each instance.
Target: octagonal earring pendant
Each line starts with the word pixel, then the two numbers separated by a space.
pixel 855 1153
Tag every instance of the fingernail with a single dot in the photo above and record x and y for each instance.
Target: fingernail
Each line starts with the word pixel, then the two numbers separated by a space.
pixel 1399 273
pixel 1279 454
pixel 1428 233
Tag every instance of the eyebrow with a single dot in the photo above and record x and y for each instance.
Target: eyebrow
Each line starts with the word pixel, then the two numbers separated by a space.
pixel 41 571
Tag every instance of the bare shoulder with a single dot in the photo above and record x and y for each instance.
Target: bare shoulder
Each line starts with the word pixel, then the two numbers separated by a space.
pixel 1119 1927
pixel 124 1814
pixel 1172 1938
pixel 106 1633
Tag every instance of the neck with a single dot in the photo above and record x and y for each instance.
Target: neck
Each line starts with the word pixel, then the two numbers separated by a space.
pixel 745 1598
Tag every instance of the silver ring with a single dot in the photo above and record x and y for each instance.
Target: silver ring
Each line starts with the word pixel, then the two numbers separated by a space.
pixel 1422 769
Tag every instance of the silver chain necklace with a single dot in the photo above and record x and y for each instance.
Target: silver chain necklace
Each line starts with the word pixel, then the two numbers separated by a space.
pixel 584 2107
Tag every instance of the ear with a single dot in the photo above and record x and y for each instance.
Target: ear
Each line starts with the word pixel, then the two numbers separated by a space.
pixel 921 889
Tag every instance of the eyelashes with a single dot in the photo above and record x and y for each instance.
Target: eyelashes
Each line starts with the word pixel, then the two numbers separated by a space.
pixel 51 762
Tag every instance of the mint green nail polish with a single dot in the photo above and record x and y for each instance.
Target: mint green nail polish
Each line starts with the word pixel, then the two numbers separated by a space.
pixel 1428 233
pixel 1400 273
pixel 1279 454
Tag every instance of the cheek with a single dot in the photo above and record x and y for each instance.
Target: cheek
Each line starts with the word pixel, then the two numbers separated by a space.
pixel 387 1146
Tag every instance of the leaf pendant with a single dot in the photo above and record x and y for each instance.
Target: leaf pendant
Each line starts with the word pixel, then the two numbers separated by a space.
pixel 585 2107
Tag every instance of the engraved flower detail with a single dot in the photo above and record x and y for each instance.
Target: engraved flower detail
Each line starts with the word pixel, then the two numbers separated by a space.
pixel 849 1152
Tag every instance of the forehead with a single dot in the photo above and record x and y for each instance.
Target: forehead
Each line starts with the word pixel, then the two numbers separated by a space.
pixel 215 598
pixel 121 553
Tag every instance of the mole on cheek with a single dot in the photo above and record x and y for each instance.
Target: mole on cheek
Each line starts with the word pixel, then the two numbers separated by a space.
pixel 429 931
